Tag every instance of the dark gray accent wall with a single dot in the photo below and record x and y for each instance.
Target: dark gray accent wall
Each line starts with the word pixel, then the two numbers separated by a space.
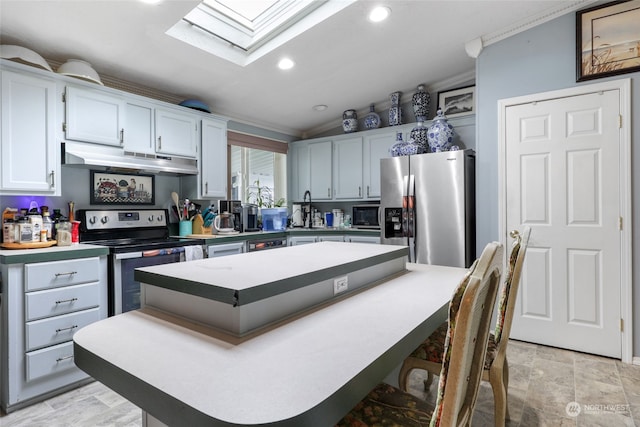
pixel 538 60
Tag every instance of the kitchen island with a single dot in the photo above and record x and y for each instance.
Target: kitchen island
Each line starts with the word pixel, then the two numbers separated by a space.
pixel 308 368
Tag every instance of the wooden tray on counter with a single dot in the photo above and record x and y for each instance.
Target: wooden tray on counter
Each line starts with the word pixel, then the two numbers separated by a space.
pixel 31 245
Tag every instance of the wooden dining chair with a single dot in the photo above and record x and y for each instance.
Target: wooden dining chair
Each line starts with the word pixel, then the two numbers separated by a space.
pixel 496 368
pixel 470 312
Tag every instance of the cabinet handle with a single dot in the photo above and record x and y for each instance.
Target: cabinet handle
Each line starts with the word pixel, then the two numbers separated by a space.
pixel 60 359
pixel 367 191
pixel 53 179
pixel 160 143
pixel 206 187
pixel 359 191
pixel 70 300
pixel 66 329
pixel 121 136
pixel 70 273
pixel 328 192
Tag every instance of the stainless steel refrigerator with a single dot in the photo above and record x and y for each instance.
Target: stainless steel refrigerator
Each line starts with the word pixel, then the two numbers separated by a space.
pixel 428 203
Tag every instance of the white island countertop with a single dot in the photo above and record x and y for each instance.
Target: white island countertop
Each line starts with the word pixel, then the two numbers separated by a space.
pixel 307 370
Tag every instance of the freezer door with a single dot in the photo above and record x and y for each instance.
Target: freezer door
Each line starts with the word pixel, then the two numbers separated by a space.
pixel 394 172
pixel 440 208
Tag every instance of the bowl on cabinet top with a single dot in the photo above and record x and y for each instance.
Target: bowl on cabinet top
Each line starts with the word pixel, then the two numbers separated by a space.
pixel 196 105
pixel 23 55
pixel 79 69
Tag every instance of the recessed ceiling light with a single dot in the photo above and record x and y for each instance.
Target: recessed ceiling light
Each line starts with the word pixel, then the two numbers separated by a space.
pixel 320 107
pixel 286 64
pixel 379 13
pixel 151 1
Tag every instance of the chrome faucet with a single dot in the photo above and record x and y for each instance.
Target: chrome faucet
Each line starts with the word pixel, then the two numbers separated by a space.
pixel 307 213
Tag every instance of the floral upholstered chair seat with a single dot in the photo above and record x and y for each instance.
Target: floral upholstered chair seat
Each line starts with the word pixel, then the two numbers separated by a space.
pixel 433 347
pixel 385 405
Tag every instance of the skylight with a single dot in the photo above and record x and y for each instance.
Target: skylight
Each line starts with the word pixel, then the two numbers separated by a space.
pixel 243 31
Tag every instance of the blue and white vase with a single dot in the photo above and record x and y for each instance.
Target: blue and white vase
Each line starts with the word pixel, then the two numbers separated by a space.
pixel 349 121
pixel 419 135
pixel 396 149
pixel 411 147
pixel 440 134
pixel 395 112
pixel 372 120
pixel 421 101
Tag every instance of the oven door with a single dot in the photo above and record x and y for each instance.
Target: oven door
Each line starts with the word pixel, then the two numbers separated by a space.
pixel 124 294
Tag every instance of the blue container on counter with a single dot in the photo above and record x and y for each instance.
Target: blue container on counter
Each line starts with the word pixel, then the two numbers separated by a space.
pixel 274 219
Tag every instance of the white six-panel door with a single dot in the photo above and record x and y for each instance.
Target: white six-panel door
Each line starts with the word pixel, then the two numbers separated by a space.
pixel 561 164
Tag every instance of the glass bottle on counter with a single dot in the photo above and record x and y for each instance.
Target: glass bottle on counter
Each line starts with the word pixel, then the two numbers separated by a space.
pixel 55 218
pixel 47 223
pixel 63 231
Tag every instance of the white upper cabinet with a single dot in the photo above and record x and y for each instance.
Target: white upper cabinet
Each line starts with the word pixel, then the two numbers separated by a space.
pixel 347 168
pixel 375 147
pixel 176 133
pixel 320 170
pixel 29 153
pixel 213 162
pixel 139 132
pixel 298 158
pixel 94 116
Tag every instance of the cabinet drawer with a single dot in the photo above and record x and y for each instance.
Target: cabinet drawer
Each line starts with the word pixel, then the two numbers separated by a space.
pixel 54 274
pixel 49 361
pixel 54 330
pixel 53 302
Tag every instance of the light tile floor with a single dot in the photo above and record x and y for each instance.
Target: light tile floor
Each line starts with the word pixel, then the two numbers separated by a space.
pixel 543 381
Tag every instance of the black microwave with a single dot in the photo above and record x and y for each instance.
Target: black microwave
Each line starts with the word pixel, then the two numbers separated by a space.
pixel 365 216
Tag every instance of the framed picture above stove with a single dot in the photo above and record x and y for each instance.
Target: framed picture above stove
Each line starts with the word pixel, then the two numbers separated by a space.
pixel 108 188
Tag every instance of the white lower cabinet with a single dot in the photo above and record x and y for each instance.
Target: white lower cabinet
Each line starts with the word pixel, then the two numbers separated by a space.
pixel 331 238
pixel 301 240
pixel 362 239
pixel 43 305
pixel 225 249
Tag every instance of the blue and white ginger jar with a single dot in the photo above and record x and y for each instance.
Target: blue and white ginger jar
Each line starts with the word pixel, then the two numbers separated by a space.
pixel 349 121
pixel 440 134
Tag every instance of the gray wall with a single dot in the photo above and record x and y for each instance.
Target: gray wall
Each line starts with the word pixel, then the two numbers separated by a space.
pixel 538 60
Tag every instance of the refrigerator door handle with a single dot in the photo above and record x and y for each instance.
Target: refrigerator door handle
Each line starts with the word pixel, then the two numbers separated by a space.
pixel 411 220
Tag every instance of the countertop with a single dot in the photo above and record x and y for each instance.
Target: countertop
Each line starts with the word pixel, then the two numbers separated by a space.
pixel 53 253
pixel 308 370
pixel 257 235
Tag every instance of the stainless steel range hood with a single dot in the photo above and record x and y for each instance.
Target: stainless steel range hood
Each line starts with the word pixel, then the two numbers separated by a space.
pixel 116 158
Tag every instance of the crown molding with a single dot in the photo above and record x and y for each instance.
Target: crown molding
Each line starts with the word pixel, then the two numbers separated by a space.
pixel 533 21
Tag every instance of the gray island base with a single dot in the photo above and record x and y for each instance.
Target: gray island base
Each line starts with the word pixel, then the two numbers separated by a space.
pixel 309 368
pixel 242 293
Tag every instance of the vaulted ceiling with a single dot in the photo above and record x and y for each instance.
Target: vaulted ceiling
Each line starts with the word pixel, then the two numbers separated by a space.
pixel 343 62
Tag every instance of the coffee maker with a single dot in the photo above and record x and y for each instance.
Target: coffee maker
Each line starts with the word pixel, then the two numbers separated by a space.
pixel 250 218
pixel 233 207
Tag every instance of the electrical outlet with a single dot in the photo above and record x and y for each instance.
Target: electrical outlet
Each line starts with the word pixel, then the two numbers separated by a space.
pixel 340 284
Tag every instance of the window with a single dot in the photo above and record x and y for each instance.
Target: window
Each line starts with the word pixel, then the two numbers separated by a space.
pixel 258 170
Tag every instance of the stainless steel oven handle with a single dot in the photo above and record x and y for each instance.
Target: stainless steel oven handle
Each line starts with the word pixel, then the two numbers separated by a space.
pixel 128 255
